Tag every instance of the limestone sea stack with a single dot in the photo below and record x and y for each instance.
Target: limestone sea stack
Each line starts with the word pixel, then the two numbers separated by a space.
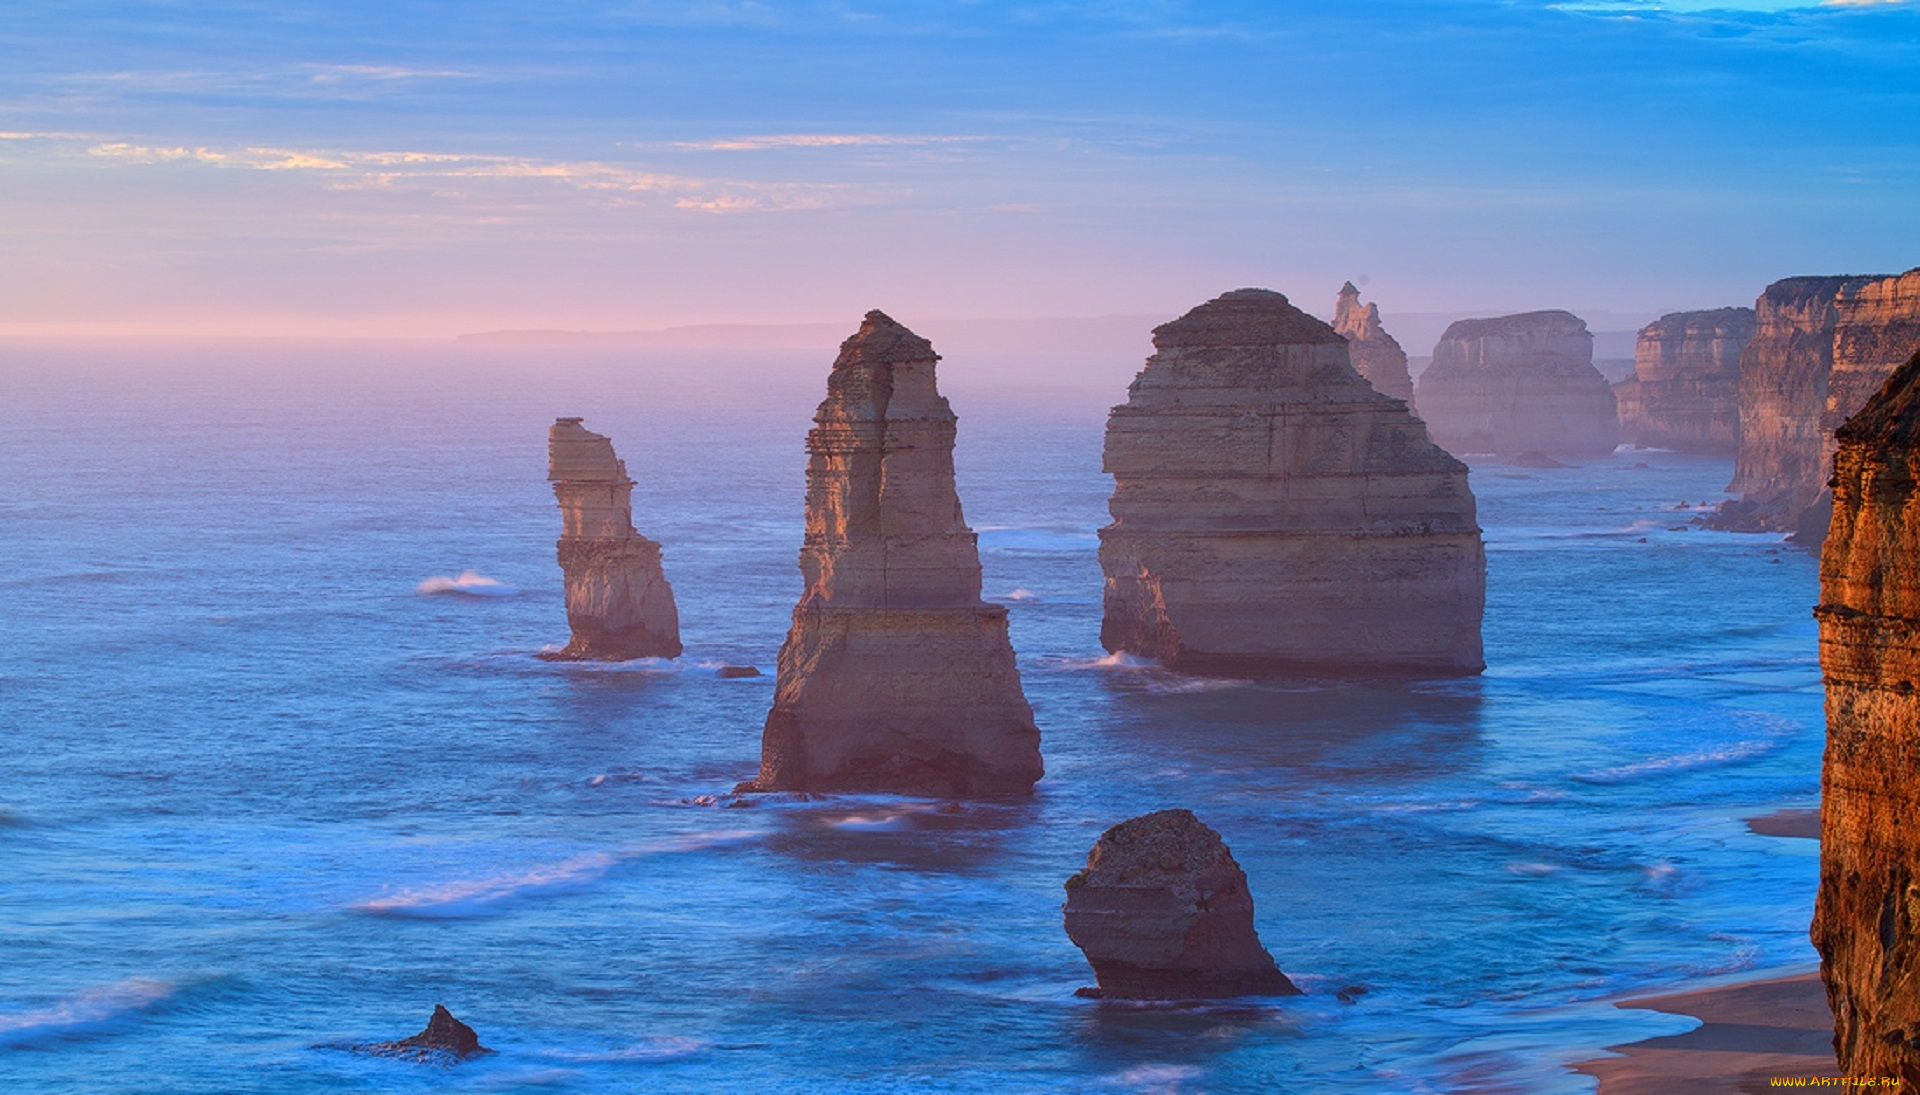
pixel 1375 354
pixel 618 601
pixel 1518 384
pixel 895 677
pixel 1685 390
pixel 1163 912
pixel 1273 514
pixel 1866 922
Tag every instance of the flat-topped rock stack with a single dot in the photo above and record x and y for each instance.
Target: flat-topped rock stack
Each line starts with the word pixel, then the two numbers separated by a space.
pixel 1867 919
pixel 1519 384
pixel 1685 390
pixel 1375 354
pixel 618 601
pixel 1162 912
pixel 895 676
pixel 1274 515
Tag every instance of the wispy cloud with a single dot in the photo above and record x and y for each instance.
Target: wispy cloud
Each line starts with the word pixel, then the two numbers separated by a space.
pixel 820 140
pixel 443 172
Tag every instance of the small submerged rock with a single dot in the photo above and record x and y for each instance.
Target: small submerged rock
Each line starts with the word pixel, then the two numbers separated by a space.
pixel 1162 912
pixel 737 672
pixel 446 1041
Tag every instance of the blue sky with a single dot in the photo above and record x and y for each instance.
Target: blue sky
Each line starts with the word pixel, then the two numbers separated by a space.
pixel 431 168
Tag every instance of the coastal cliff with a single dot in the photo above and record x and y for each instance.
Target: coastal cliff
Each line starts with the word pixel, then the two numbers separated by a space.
pixel 1867 919
pixel 1518 384
pixel 1786 415
pixel 1375 354
pixel 1162 912
pixel 619 604
pixel 1274 514
pixel 895 676
pixel 1685 390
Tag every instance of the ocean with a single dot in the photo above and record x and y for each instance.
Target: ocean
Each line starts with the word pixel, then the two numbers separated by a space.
pixel 280 768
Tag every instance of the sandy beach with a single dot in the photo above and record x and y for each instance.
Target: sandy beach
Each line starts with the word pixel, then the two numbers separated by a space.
pixel 1751 1032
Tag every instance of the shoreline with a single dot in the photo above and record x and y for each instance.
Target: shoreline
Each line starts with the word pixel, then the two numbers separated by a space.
pixel 1750 1032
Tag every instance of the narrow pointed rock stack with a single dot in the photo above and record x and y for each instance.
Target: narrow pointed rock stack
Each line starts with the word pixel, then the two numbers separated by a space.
pixel 1866 922
pixel 618 601
pixel 1162 912
pixel 1685 390
pixel 895 677
pixel 1273 514
pixel 1376 355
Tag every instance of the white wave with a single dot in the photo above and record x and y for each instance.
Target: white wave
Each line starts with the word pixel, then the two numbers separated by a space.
pixel 84 1011
pixel 481 896
pixel 1018 595
pixel 884 823
pixel 1155 1078
pixel 469 583
pixel 1653 767
pixel 653 1049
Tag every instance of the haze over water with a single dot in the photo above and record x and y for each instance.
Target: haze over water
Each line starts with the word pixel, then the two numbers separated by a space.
pixel 261 793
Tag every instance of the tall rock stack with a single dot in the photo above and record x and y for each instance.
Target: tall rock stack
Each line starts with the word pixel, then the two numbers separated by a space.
pixel 1685 390
pixel 1375 354
pixel 895 677
pixel 1519 384
pixel 618 601
pixel 1274 514
pixel 1866 923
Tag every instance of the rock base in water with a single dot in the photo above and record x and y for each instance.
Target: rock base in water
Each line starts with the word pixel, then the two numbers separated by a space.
pixel 446 1041
pixel 1162 912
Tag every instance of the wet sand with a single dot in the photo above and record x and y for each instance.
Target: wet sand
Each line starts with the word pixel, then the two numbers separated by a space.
pixel 1750 1032
pixel 1800 823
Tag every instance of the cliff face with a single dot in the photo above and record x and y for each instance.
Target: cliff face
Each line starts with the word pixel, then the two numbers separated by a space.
pixel 1781 466
pixel 1685 390
pixel 618 601
pixel 1273 514
pixel 1162 912
pixel 1375 354
pixel 1522 383
pixel 1867 921
pixel 895 676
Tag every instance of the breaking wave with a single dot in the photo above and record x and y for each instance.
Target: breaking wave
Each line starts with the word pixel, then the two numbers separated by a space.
pixel 87 1011
pixel 469 583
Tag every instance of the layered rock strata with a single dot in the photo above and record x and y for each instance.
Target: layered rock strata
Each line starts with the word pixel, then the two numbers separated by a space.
pixel 1520 383
pixel 1162 912
pixel 1866 921
pixel 1374 352
pixel 1685 390
pixel 618 601
pixel 1273 514
pixel 895 676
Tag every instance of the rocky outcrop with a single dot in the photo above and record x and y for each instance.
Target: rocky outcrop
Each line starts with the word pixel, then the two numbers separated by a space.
pixel 1866 922
pixel 1685 390
pixel 1823 345
pixel 618 601
pixel 895 676
pixel 1522 383
pixel 446 1041
pixel 1274 514
pixel 1374 352
pixel 1162 912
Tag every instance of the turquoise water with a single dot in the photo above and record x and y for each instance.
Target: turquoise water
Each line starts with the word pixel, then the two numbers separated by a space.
pixel 259 793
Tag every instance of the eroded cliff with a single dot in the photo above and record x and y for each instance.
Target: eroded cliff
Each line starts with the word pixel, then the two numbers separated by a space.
pixel 1374 353
pixel 1517 384
pixel 619 604
pixel 1685 390
pixel 1867 919
pixel 1274 514
pixel 895 675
